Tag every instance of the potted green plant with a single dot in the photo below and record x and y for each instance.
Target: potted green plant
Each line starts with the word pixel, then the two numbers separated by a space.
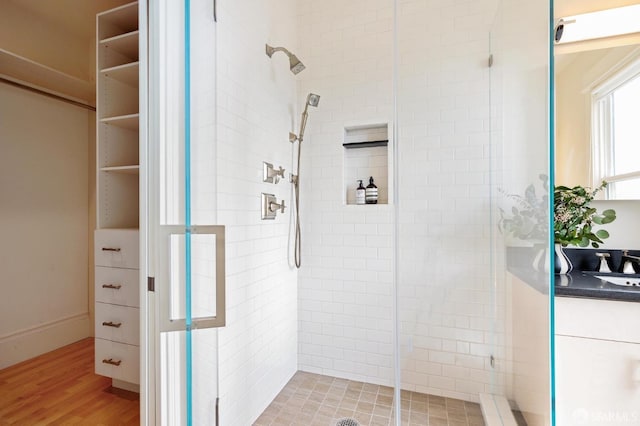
pixel 574 220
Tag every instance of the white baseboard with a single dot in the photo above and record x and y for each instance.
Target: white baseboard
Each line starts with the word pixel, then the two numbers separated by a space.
pixel 496 410
pixel 26 344
pixel 121 384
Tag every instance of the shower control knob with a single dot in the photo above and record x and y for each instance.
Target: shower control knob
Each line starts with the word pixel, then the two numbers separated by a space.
pixel 271 174
pixel 273 206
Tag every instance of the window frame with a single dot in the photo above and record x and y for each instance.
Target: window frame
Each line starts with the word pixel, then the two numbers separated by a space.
pixel 602 141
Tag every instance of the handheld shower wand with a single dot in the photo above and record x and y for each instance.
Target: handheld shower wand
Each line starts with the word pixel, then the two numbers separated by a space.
pixel 312 100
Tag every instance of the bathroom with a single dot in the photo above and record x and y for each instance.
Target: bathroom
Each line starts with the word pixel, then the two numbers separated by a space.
pixel 414 295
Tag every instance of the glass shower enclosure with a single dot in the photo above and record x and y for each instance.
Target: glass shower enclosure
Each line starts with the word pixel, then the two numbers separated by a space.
pixel 433 296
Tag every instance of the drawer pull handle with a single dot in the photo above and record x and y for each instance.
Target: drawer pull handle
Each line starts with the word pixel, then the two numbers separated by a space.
pixel 110 249
pixel 112 324
pixel 112 286
pixel 111 361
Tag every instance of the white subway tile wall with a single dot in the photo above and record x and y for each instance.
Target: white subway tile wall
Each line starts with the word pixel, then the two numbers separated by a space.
pixel 345 285
pixel 446 302
pixel 335 315
pixel 257 106
pixel 346 282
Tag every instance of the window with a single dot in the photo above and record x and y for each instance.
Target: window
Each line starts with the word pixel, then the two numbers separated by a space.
pixel 616 133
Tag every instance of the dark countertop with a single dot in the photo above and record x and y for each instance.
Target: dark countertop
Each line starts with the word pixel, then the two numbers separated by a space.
pixel 580 284
pixel 577 283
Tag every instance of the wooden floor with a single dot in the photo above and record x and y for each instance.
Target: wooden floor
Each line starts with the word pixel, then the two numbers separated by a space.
pixel 60 388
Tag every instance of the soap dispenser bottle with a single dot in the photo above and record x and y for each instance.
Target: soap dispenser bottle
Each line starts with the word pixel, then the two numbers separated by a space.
pixel 371 192
pixel 360 194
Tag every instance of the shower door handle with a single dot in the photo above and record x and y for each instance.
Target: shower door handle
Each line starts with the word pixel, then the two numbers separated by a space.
pixel 206 278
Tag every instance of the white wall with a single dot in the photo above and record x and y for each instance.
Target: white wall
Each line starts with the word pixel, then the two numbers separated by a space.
pixel 44 224
pixel 33 36
pixel 625 230
pixel 257 106
pixel 346 283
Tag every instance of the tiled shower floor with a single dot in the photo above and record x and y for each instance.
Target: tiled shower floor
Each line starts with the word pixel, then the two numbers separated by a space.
pixel 315 400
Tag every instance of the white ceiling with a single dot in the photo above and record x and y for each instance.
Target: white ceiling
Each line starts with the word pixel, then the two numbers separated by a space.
pixel 76 16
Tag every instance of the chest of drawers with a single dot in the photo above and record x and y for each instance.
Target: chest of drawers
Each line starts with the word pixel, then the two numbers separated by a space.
pixel 117 305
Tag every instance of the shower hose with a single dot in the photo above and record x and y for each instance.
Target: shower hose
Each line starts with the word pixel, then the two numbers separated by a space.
pixel 297 246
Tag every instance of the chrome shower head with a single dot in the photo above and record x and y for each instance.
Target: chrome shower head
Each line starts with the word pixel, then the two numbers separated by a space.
pixel 295 65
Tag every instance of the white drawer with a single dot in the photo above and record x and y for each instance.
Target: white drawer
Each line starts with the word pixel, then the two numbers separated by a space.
pixel 118 248
pixel 597 319
pixel 117 286
pixel 118 323
pixel 118 360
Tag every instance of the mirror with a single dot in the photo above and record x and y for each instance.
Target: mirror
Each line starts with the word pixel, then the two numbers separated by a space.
pixel 597 82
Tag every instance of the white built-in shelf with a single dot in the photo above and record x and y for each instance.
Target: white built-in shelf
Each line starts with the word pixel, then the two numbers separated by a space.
pixel 128 170
pixel 117 62
pixel 18 68
pixel 121 20
pixel 127 73
pixel 125 44
pixel 129 121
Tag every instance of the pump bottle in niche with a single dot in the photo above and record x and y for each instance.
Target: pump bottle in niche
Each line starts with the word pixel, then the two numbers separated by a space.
pixel 360 193
pixel 371 192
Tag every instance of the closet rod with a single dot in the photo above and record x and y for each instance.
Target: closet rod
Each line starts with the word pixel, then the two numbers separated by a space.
pixel 45 93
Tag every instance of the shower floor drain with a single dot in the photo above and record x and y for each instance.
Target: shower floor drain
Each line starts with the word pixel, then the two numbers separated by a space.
pixel 347 421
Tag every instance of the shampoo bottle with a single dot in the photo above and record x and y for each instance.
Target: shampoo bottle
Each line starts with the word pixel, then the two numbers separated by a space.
pixel 360 194
pixel 371 192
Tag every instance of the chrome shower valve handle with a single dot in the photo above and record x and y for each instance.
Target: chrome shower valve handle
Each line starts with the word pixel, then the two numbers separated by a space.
pixel 271 175
pixel 271 207
pixel 274 207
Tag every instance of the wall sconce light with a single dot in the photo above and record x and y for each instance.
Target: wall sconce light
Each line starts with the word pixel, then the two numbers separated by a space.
pixel 604 23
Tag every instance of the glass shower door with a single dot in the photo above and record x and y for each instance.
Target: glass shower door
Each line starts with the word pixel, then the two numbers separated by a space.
pixel 473 137
pixel 520 155
pixel 186 248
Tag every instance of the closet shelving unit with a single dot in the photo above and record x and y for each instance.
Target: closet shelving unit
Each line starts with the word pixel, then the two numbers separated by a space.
pixel 116 241
pixel 17 68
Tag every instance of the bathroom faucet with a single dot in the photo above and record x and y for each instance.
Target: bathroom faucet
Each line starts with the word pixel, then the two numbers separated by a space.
pixel 604 266
pixel 629 260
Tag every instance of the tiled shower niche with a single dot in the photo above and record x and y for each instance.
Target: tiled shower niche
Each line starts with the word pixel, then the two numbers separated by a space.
pixel 366 155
